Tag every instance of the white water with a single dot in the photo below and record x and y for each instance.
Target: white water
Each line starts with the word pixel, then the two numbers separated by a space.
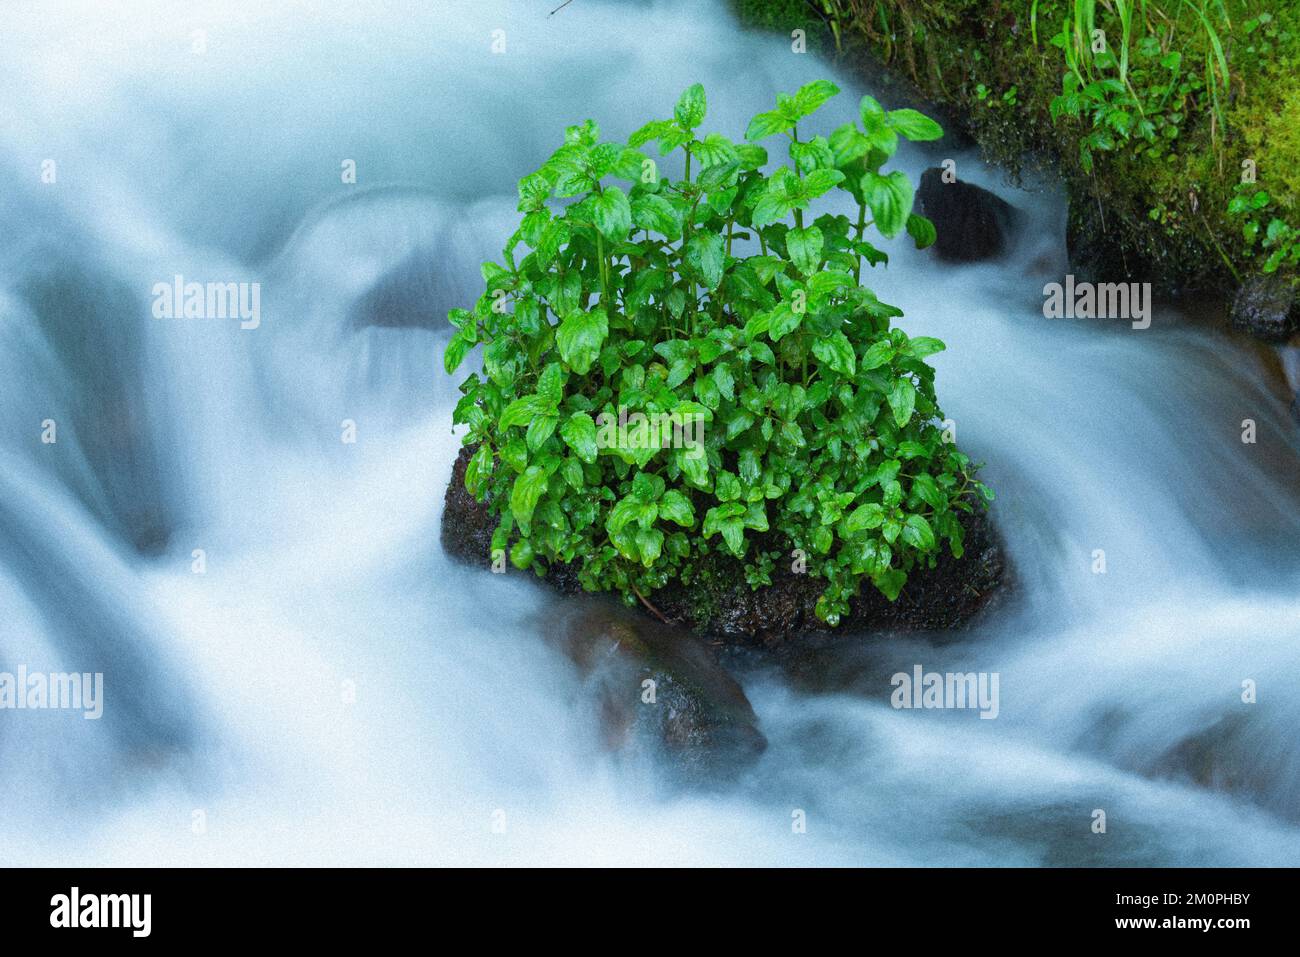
pixel 226 691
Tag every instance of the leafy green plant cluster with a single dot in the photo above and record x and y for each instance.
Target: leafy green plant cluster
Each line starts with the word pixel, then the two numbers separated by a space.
pixel 1009 97
pixel 1128 76
pixel 1264 231
pixel 1265 211
pixel 1152 119
pixel 721 298
pixel 1160 73
pixel 1266 39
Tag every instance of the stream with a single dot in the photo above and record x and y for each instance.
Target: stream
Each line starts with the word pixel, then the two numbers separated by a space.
pixel 295 673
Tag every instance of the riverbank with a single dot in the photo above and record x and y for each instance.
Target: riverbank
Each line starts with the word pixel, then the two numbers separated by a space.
pixel 1174 131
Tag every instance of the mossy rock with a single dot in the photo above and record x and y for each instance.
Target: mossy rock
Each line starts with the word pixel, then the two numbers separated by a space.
pixel 719 603
pixel 1161 219
pixel 658 690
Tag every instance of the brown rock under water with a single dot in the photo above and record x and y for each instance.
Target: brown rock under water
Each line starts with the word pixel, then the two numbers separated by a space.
pixel 721 605
pixel 659 688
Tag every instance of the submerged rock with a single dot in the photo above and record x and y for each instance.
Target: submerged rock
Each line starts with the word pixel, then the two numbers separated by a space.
pixel 1224 755
pixel 659 689
pixel 718 602
pixel 1267 307
pixel 971 224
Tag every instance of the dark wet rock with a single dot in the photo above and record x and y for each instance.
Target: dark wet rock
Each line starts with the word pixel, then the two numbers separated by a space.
pixel 1224 755
pixel 1267 307
pixel 78 303
pixel 659 689
pixel 945 597
pixel 467 525
pixel 971 223
pixel 1107 240
pixel 1101 250
pixel 402 296
pixel 1212 756
pixel 1092 254
pixel 718 602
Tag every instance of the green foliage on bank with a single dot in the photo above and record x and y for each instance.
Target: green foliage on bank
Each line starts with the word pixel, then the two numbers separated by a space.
pixel 680 368
pixel 1180 119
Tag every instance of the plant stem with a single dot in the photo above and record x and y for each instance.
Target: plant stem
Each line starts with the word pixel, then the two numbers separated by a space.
pixel 798 213
pixel 604 274
pixel 686 236
pixel 862 225
pixel 653 610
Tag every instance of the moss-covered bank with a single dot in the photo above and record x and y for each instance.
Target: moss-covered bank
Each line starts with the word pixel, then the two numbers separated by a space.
pixel 1174 123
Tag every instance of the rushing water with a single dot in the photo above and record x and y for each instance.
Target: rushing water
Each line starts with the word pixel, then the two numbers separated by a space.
pixel 333 689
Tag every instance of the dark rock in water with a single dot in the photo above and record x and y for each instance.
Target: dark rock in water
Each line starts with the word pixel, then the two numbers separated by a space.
pixel 719 602
pixel 1224 756
pixel 467 525
pixel 659 688
pixel 937 599
pixel 1267 307
pixel 402 296
pixel 971 223
pixel 1108 239
pixel 1212 757
pixel 79 304
pixel 1097 250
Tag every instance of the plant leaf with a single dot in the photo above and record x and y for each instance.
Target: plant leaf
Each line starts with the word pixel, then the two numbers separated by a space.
pixel 902 400
pixel 579 433
pixel 691 107
pixel 805 248
pixel 654 213
pixel 890 199
pixel 921 230
pixel 523 410
pixel 864 517
pixel 918 533
pixel 705 255
pixel 676 507
pixel 812 95
pixel 914 125
pixel 528 488
pixel 767 124
pixel 580 337
pixel 836 351
pixel 612 213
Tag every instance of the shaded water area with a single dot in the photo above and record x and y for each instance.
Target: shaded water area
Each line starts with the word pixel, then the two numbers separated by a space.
pixel 333 689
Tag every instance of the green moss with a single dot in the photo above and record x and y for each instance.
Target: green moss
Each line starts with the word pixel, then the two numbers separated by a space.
pixel 1266 110
pixel 776 14
pixel 1162 191
pixel 1272 137
pixel 786 16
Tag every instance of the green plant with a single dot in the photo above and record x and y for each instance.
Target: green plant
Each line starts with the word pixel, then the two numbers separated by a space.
pixel 834 14
pixel 648 305
pixel 1150 118
pixel 1138 89
pixel 1264 231
pixel 1264 37
pixel 1009 98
